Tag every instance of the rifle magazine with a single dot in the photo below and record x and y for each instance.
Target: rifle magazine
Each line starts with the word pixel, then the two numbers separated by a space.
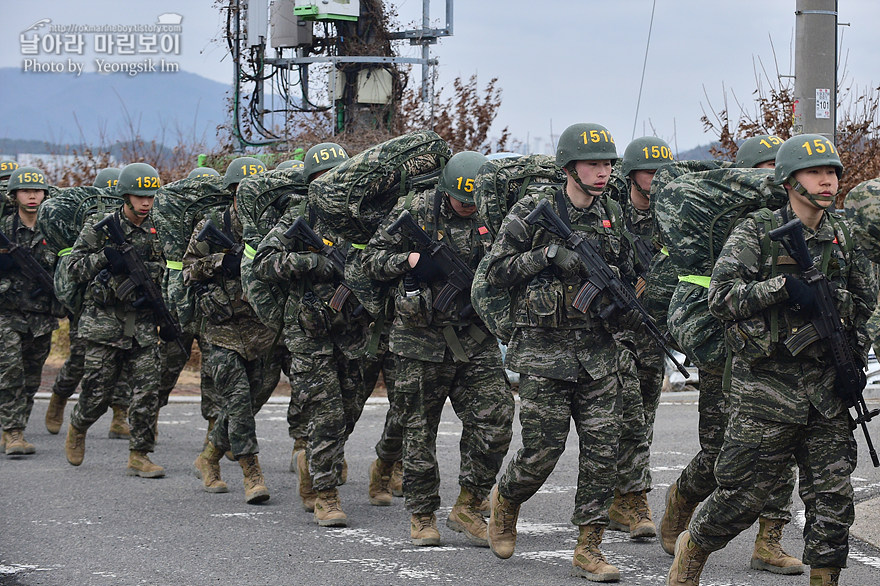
pixel 339 297
pixel 585 297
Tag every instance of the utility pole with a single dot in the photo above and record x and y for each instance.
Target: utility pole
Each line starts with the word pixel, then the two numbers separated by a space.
pixel 815 68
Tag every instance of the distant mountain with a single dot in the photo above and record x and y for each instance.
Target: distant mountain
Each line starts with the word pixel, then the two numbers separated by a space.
pixel 105 108
pixel 698 153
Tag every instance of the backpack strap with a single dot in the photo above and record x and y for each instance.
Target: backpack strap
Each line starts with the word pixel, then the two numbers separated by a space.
pixel 766 221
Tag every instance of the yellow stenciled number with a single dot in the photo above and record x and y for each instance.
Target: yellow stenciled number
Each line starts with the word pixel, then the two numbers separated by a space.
pixel 597 136
pixel 773 139
pixel 10 166
pixel 148 182
pixel 32 178
pixel 820 145
pixel 468 184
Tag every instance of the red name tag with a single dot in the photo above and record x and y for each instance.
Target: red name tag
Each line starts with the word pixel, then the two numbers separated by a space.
pixel 44 242
pixel 606 223
pixel 835 241
pixel 483 230
pixel 152 230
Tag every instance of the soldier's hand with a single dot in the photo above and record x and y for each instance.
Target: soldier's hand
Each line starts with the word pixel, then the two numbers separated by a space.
pixel 568 261
pixel 630 319
pixel 427 269
pixel 801 296
pixel 231 264
pixel 7 263
pixel 114 258
pixel 322 269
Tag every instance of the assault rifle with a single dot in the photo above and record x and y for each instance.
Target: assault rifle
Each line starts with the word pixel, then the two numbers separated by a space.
pixel 850 379
pixel 139 277
pixel 457 273
pixel 211 232
pixel 601 278
pixel 29 266
pixel 301 230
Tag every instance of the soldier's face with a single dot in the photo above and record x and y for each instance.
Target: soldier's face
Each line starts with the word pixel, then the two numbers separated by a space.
pixel 593 173
pixel 766 165
pixel 644 177
pixel 462 209
pixel 141 205
pixel 29 199
pixel 821 181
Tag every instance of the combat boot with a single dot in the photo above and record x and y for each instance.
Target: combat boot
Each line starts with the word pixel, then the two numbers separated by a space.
pixel 675 519
pixel 306 491
pixel 55 413
pixel 688 563
pixel 465 518
pixel 380 478
pixel 824 576
pixel 423 529
pixel 501 530
pixel 75 445
pixel 119 425
pixel 139 464
pixel 299 444
pixel 769 555
pixel 207 467
pixel 328 509
pixel 3 440
pixel 396 483
pixel 630 512
pixel 588 561
pixel 484 508
pixel 16 445
pixel 255 490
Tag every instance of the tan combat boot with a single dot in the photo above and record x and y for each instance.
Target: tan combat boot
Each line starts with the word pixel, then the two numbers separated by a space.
pixel 380 478
pixel 630 512
pixel 299 444
pixel 55 413
pixel 769 555
pixel 423 529
pixel 484 508
pixel 119 425
pixel 688 563
pixel 255 490
pixel 75 445
pixel 588 561
pixel 396 483
pixel 306 491
pixel 139 464
pixel 328 509
pixel 207 467
pixel 824 576
pixel 501 530
pixel 16 445
pixel 465 518
pixel 3 437
pixel 675 519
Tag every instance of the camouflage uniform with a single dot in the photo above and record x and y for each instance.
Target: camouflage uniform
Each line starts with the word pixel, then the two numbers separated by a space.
pixel 782 405
pixel 442 355
pixel 26 325
pixel 570 364
pixel 325 348
pixel 118 335
pixel 240 356
pixel 173 362
pixel 71 372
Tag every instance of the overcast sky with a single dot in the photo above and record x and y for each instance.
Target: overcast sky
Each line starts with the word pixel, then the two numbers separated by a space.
pixel 557 61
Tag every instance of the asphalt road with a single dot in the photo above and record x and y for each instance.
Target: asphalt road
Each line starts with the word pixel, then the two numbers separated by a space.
pixel 95 525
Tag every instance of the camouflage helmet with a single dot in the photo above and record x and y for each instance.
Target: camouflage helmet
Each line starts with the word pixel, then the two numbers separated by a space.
pixel 240 168
pixel 585 142
pixel 758 149
pixel 647 153
pixel 138 179
pixel 323 156
pixel 26 178
pixel 107 177
pixel 291 164
pixel 203 172
pixel 804 151
pixel 459 175
pixel 7 166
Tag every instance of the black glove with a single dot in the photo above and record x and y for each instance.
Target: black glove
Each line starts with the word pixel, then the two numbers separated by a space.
pixel 630 319
pixel 427 269
pixel 801 296
pixel 568 261
pixel 231 264
pixel 7 263
pixel 322 270
pixel 114 257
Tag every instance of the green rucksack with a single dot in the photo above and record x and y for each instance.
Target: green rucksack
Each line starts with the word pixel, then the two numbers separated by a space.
pixel 354 197
pixel 179 207
pixel 61 218
pixel 862 206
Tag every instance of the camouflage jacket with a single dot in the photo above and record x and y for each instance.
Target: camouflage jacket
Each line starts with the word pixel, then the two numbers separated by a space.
pixel 229 321
pixel 418 330
pixel 18 306
pixel 311 326
pixel 745 295
pixel 551 338
pixel 107 318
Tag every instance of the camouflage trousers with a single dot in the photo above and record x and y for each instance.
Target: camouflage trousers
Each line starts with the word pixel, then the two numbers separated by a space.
pixel 67 379
pixel 21 364
pixel 390 444
pixel 245 386
pixel 330 392
pixel 641 397
pixel 173 361
pixel 756 456
pixel 547 407
pixel 697 480
pixel 103 367
pixel 873 326
pixel 483 402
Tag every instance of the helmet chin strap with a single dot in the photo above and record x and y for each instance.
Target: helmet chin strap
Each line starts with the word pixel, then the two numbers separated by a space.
pixel 594 191
pixel 813 198
pixel 646 193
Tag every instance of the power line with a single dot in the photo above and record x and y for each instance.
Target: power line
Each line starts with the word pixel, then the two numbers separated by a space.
pixel 644 67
